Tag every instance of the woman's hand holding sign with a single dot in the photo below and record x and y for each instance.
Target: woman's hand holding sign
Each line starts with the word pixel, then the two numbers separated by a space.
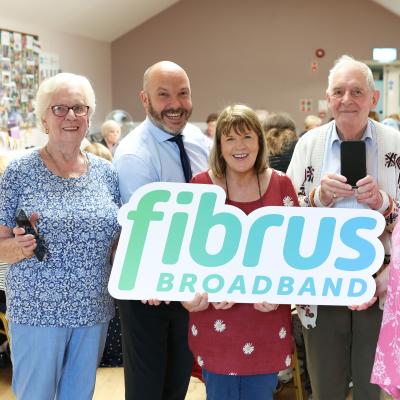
pixel 223 305
pixel 199 303
pixel 265 306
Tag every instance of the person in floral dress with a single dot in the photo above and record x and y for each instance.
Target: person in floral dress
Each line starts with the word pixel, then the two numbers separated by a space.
pixel 241 347
pixel 58 305
pixel 386 371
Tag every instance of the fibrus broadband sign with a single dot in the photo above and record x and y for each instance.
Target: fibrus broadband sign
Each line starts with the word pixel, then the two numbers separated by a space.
pixel 178 239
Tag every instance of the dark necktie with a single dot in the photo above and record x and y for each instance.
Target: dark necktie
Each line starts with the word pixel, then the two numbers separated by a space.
pixel 187 170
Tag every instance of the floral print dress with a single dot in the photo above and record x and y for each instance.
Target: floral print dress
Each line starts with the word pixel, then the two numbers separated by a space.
pixel 78 220
pixel 386 371
pixel 242 340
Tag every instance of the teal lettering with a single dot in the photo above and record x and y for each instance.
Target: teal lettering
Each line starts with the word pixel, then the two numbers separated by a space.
pixel 291 250
pixel 219 283
pixel 362 287
pixel 176 231
pixel 365 249
pixel 330 286
pixel 256 238
pixel 142 217
pixel 238 285
pixel 188 281
pixel 308 287
pixel 257 282
pixel 205 220
pixel 285 286
pixel 165 282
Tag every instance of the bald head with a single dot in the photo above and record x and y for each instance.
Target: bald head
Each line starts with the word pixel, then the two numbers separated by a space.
pixel 162 67
pixel 166 96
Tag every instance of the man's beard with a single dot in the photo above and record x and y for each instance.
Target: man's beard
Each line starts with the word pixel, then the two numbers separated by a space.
pixel 157 118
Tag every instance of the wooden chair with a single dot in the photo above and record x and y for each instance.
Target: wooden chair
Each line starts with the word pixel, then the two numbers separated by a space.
pixel 4 328
pixel 298 386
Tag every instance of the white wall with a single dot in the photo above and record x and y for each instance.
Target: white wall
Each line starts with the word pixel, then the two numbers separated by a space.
pixel 78 55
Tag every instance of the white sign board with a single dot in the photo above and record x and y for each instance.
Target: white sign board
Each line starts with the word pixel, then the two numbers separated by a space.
pixel 178 239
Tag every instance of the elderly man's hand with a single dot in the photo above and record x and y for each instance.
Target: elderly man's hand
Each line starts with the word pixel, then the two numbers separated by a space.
pixel 364 306
pixel 382 281
pixel 367 192
pixel 332 187
pixel 381 286
pixel 199 303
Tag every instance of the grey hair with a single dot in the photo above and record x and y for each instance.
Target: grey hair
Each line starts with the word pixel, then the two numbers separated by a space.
pixel 50 85
pixel 348 60
pixel 107 126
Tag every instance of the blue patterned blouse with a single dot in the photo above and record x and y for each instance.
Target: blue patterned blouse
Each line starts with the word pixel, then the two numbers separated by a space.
pixel 78 220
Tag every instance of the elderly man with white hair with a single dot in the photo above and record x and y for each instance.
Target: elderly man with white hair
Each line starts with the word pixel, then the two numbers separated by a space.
pixel 341 341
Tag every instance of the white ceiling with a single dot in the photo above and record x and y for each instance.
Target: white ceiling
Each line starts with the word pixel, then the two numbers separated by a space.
pixel 391 5
pixel 104 20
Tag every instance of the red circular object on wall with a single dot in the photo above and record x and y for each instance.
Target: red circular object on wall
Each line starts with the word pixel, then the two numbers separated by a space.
pixel 320 53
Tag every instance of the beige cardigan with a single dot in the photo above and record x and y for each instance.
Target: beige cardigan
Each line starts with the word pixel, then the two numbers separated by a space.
pixel 305 172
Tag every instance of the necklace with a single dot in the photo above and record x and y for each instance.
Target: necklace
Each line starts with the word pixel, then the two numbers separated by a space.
pixel 259 189
pixel 63 173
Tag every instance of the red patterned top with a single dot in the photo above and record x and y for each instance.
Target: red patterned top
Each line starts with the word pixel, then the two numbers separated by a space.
pixel 242 340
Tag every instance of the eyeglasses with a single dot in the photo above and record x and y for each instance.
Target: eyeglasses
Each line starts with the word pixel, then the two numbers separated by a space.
pixel 78 109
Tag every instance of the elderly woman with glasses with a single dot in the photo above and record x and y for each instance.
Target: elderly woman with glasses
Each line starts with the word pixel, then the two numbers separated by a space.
pixel 58 304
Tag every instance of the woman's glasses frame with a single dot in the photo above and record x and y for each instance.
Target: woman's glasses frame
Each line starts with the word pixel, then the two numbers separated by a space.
pixel 79 110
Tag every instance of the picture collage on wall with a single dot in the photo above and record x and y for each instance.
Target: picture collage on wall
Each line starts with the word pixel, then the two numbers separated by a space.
pixel 19 80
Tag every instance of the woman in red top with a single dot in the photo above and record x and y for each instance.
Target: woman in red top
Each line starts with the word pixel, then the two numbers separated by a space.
pixel 241 347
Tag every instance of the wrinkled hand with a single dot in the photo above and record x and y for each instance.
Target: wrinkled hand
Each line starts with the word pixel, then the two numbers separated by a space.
pixel 26 243
pixel 381 286
pixel 199 303
pixel 154 302
pixel 334 186
pixel 265 306
pixel 367 192
pixel 363 306
pixel 223 305
pixel 382 281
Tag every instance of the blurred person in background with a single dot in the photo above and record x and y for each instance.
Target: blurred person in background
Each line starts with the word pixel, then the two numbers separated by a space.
pixel 374 115
pixel 211 123
pixel 262 115
pixel 111 133
pixel 311 122
pixel 281 138
pixel 393 121
pixel 99 150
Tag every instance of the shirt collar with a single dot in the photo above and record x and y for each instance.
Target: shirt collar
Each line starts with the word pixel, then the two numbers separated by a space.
pixel 159 134
pixel 367 135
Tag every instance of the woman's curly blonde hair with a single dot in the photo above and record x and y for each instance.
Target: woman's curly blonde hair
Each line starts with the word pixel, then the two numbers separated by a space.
pixel 280 133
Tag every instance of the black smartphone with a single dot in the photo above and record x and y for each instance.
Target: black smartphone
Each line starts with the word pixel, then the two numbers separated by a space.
pixel 22 221
pixel 353 161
